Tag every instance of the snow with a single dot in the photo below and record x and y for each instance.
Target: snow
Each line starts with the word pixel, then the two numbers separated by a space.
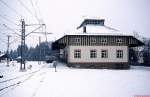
pixel 97 30
pixel 92 29
pixel 74 82
pixel 2 55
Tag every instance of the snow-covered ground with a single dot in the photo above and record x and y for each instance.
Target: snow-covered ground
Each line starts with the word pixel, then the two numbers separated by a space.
pixel 43 81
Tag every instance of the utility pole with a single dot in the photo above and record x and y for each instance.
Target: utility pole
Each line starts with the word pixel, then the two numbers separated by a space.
pixel 23 35
pixel 39 50
pixel 22 65
pixel 8 49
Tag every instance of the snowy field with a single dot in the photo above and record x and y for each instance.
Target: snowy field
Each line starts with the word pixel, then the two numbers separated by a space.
pixel 43 81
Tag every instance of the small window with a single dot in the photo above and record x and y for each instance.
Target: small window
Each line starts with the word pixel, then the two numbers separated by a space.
pixel 76 40
pixel 119 41
pixel 77 53
pixel 93 40
pixel 119 53
pixel 104 41
pixel 104 54
pixel 93 54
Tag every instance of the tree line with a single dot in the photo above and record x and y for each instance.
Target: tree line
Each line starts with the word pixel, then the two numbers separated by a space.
pixel 141 53
pixel 37 53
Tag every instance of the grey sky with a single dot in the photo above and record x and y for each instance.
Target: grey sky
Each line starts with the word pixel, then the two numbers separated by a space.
pixel 63 16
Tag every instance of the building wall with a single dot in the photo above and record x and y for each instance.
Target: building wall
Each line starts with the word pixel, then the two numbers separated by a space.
pixel 85 54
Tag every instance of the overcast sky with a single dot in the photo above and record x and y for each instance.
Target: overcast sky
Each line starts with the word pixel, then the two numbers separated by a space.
pixel 63 16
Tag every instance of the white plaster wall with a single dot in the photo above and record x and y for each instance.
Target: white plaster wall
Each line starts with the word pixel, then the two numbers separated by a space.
pixel 85 54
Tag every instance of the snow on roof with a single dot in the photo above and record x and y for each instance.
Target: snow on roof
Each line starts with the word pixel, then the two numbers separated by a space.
pixel 91 17
pixel 19 57
pixel 2 55
pixel 97 30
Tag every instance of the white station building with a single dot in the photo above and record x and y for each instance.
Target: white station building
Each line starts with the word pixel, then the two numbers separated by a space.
pixel 95 45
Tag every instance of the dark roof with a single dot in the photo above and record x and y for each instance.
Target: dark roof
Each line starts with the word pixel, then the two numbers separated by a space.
pixel 92 21
pixel 56 44
pixel 139 43
pixel 4 56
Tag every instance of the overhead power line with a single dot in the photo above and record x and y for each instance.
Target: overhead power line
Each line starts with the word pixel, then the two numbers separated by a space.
pixel 11 30
pixel 27 9
pixel 42 20
pixel 8 29
pixel 12 17
pixel 9 20
pixel 3 33
pixel 3 41
pixel 35 29
pixel 38 8
pixel 34 10
pixel 15 40
pixel 12 9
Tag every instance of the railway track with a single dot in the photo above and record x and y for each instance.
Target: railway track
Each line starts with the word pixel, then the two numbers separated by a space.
pixel 17 77
pixel 17 81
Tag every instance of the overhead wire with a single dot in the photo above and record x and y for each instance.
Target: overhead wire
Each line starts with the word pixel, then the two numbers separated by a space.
pixel 3 33
pixel 27 9
pixel 15 40
pixel 38 9
pixel 12 18
pixel 10 7
pixel 13 10
pixel 17 13
pixel 44 28
pixel 11 30
pixel 34 10
pixel 8 20
pixel 3 41
pixel 8 29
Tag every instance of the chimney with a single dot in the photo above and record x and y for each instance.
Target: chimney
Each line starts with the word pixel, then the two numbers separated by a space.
pixel 84 29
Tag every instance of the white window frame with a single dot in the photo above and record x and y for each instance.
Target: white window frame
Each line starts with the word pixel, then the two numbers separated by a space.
pixel 104 40
pixel 93 53
pixel 77 53
pixel 119 53
pixel 104 53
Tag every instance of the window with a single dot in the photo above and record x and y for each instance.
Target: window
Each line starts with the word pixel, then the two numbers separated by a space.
pixel 77 53
pixel 119 54
pixel 93 54
pixel 76 40
pixel 119 41
pixel 93 40
pixel 103 40
pixel 104 53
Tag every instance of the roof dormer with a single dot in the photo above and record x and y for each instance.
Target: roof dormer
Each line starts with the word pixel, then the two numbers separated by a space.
pixel 96 22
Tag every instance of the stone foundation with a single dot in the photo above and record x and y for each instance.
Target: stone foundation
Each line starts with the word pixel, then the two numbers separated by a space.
pixel 100 65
